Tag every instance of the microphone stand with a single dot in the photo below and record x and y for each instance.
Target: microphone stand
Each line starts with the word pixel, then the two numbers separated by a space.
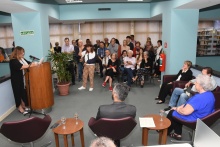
pixel 29 92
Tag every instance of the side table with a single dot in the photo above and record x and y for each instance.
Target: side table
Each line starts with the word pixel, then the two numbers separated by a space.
pixel 161 126
pixel 70 128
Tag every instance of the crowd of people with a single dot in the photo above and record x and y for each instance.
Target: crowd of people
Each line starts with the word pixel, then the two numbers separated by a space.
pixel 129 61
pixel 134 62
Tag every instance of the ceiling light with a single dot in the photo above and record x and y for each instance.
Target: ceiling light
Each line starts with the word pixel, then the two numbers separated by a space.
pixel 74 1
pixel 135 0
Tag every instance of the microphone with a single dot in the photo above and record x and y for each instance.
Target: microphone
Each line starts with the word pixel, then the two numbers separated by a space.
pixel 34 57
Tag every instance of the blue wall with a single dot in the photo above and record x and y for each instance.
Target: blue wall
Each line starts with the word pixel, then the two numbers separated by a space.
pixel 46 9
pixel 118 11
pixel 31 43
pixel 213 62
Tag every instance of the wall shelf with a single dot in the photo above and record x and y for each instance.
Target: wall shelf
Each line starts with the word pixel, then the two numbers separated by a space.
pixel 208 42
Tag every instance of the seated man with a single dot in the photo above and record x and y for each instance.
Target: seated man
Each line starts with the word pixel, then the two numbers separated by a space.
pixel 118 109
pixel 129 67
pixel 179 96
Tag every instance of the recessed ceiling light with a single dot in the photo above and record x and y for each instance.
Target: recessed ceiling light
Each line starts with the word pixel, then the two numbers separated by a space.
pixel 74 1
pixel 135 0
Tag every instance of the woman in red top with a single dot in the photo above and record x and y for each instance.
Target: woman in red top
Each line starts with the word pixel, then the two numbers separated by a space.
pixel 136 49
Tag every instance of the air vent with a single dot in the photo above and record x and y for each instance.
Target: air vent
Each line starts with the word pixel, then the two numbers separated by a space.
pixel 104 9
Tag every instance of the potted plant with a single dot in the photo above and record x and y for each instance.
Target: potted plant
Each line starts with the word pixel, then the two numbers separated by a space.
pixel 60 63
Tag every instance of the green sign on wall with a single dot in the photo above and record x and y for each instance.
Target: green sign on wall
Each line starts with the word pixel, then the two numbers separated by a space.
pixel 24 33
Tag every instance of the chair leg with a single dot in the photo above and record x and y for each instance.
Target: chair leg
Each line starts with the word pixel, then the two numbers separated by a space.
pixel 32 144
pixel 117 143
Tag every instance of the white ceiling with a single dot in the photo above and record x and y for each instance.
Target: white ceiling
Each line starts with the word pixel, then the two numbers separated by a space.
pixel 200 4
pixel 9 6
pixel 107 1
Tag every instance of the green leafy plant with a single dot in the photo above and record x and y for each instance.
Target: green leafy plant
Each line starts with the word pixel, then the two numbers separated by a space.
pixel 60 63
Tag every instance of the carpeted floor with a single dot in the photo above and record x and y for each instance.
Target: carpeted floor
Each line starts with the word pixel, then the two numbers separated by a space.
pixel 86 104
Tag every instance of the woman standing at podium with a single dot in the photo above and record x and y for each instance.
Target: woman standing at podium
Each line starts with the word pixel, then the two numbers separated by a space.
pixel 17 65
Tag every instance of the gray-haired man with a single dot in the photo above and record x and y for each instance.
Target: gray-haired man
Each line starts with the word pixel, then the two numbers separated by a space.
pixel 119 109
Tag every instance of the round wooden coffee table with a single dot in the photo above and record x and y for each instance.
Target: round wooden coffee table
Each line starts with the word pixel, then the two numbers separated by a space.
pixel 161 126
pixel 70 128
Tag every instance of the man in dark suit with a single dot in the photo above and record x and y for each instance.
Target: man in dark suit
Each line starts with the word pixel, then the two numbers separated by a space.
pixel 129 43
pixel 118 109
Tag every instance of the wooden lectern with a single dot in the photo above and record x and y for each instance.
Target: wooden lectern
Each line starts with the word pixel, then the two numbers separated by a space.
pixel 41 89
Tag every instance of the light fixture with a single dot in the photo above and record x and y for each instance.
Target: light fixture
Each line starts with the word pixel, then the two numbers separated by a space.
pixel 135 0
pixel 74 1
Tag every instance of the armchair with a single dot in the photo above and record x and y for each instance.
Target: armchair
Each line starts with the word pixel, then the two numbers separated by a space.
pixel 208 120
pixel 170 78
pixel 115 129
pixel 27 130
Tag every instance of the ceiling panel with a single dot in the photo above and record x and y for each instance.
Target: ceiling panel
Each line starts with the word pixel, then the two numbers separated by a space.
pixel 63 2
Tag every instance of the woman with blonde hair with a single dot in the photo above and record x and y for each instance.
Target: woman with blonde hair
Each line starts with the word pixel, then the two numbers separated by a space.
pixel 185 74
pixel 124 46
pixel 17 65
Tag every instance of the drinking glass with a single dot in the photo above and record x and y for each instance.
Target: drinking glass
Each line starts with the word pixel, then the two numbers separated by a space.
pixel 76 116
pixel 161 115
pixel 63 121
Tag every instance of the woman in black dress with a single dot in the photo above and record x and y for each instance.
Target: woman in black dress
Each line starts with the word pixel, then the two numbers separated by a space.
pixel 145 68
pixel 185 74
pixel 111 70
pixel 17 64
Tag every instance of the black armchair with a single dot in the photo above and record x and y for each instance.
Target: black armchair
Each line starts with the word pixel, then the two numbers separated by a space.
pixel 27 130
pixel 115 129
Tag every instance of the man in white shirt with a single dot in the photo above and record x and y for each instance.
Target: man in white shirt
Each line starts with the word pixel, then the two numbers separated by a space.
pixel 69 49
pixel 129 64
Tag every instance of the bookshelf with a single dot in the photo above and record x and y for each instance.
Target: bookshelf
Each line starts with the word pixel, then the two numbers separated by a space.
pixel 208 42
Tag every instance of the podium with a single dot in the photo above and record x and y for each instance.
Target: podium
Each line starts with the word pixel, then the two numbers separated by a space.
pixel 41 89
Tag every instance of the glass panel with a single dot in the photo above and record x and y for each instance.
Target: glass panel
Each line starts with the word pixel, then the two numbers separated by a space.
pixel 9 31
pixel 97 27
pixel 110 27
pixel 97 37
pixel 142 38
pixel 54 39
pixel 67 29
pixel 140 26
pixel 110 36
pixel 85 28
pixel 154 38
pixel 9 42
pixel 3 43
pixel 153 26
pixel 2 32
pixel 121 37
pixel 124 27
pixel 54 29
pixel 84 37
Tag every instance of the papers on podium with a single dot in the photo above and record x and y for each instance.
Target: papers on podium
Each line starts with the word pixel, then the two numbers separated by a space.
pixel 41 60
pixel 146 122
